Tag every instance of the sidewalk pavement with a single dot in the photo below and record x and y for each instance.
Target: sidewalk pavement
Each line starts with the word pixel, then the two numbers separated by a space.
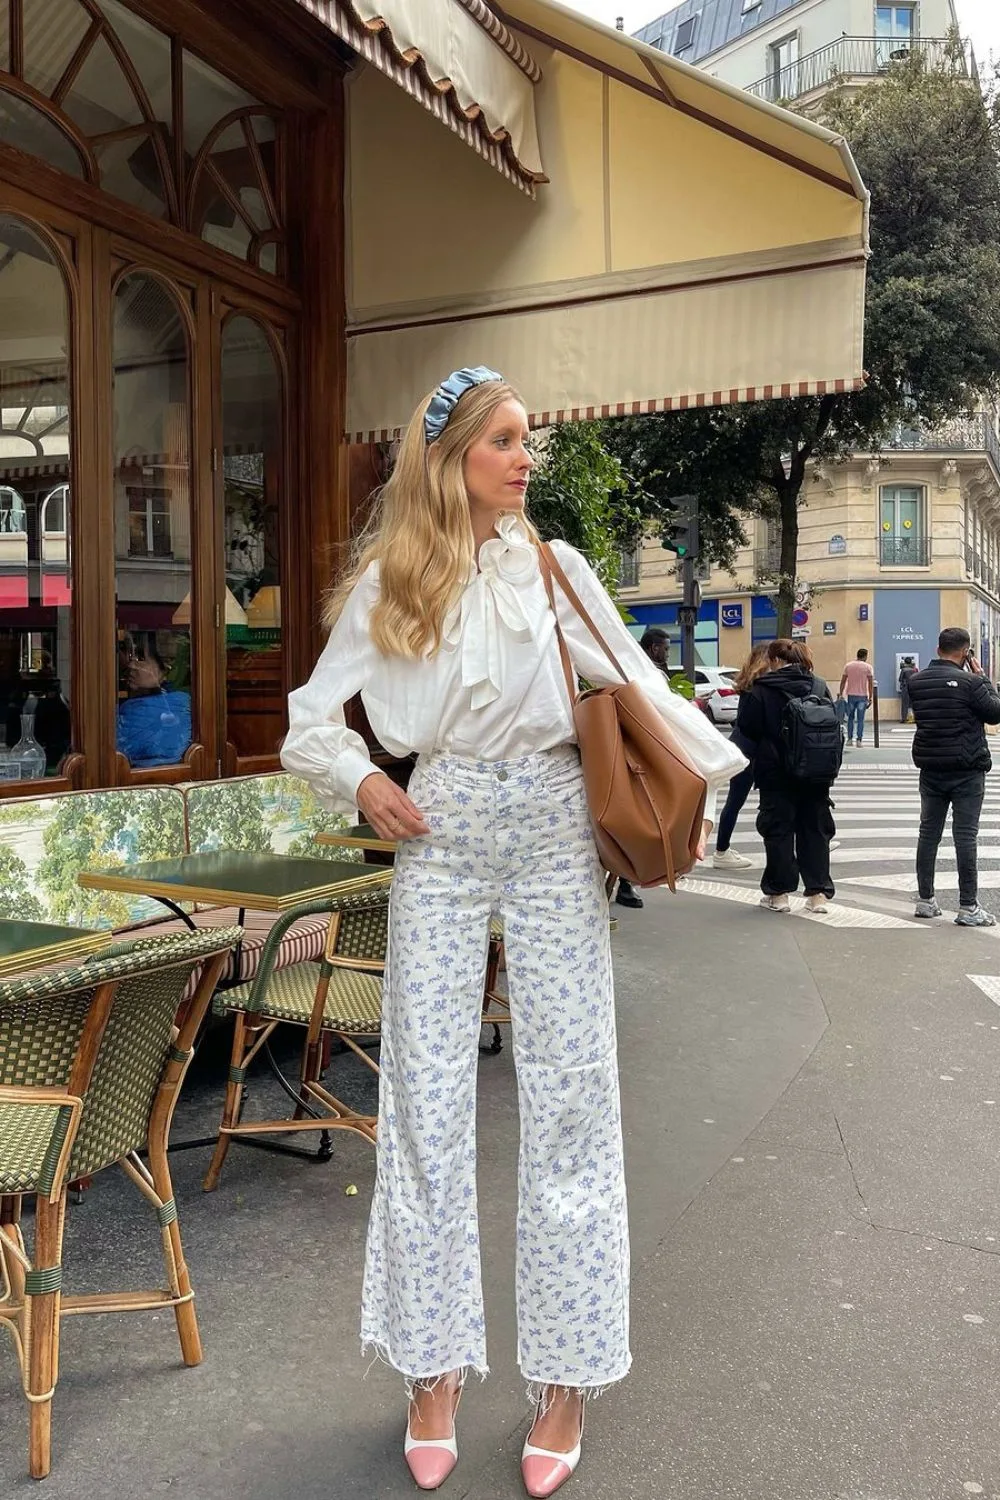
pixel 811 1117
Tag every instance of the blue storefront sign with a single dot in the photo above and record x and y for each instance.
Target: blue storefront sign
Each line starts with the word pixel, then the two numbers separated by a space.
pixel 706 631
pixel 907 622
pixel 732 616
pixel 763 620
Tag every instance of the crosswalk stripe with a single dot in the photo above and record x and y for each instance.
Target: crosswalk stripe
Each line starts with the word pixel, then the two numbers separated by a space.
pixel 877 813
pixel 836 915
pixel 989 984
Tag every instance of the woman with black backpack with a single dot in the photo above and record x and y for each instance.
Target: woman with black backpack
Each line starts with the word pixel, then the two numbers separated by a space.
pixel 789 719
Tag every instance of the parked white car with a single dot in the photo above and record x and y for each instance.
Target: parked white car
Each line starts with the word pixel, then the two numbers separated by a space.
pixel 714 687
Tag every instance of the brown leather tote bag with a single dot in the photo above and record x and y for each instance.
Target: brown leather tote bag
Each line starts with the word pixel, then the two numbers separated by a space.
pixel 646 799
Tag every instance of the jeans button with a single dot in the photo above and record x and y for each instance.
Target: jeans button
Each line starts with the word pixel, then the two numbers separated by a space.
pixel 502 775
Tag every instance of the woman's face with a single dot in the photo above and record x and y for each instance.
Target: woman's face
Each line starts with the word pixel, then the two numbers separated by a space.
pixel 497 464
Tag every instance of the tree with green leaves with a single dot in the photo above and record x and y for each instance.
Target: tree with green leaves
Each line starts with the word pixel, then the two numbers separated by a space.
pixel 16 896
pixel 927 144
pixel 581 492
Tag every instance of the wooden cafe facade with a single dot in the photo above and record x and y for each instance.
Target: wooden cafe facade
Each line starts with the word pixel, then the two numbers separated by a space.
pixel 239 239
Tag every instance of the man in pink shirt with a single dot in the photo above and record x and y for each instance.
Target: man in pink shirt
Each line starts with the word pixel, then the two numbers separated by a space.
pixel 858 681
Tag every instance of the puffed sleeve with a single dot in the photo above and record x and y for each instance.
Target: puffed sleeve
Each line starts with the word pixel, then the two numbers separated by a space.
pixel 711 753
pixel 319 746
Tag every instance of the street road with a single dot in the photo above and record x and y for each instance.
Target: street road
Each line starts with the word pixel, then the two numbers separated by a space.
pixel 877 810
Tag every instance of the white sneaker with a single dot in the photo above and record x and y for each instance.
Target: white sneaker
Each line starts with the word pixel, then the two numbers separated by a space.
pixel 974 916
pixel 775 903
pixel 817 904
pixel 728 859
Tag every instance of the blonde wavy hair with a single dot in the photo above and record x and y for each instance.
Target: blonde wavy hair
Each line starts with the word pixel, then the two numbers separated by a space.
pixel 420 532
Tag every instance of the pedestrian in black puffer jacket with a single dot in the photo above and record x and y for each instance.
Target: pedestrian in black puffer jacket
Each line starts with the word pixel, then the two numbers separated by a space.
pixel 795 818
pixel 952 701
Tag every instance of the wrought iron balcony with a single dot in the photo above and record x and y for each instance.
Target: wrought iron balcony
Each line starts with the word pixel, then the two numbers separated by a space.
pixel 628 571
pixel 861 57
pixel 975 434
pixel 905 551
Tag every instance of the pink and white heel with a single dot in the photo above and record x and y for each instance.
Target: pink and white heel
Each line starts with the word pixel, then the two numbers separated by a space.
pixel 430 1461
pixel 544 1472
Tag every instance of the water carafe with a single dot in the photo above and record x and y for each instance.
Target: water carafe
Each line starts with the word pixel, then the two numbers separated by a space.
pixel 28 755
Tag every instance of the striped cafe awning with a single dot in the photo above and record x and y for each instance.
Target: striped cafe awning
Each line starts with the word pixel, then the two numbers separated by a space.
pixel 687 244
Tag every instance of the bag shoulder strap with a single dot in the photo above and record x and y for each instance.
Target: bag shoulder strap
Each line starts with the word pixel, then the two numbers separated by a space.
pixel 550 568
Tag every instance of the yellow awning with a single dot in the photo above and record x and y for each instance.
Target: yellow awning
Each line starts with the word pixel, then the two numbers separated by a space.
pixel 458 60
pixel 693 245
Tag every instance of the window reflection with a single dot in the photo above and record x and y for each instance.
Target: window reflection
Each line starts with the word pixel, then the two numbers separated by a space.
pixel 99 65
pixel 251 428
pixel 35 565
pixel 152 524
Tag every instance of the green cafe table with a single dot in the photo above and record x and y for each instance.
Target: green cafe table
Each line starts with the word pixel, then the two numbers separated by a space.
pixel 360 836
pixel 36 945
pixel 249 882
pixel 255 882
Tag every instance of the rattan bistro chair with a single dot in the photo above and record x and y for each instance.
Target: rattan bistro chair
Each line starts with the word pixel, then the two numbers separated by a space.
pixel 90 1068
pixel 341 996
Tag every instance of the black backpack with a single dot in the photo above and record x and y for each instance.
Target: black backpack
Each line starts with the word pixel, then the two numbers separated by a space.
pixel 812 741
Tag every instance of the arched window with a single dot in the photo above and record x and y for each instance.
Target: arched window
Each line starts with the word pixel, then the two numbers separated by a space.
pixel 13 517
pixel 153 537
pixel 55 511
pixel 92 90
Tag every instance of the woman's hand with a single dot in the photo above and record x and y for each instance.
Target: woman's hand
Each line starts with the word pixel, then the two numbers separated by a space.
pixel 389 810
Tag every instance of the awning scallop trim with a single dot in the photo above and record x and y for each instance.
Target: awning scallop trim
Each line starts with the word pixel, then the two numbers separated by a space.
pixel 366 31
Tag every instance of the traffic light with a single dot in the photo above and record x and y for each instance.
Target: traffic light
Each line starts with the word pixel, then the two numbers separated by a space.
pixel 680 535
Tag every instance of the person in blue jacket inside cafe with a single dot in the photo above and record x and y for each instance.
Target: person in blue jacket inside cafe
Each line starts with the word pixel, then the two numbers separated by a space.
pixel 154 721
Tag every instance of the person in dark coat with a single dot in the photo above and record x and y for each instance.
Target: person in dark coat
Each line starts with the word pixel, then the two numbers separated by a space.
pixel 907 670
pixel 952 701
pixel 724 857
pixel 795 818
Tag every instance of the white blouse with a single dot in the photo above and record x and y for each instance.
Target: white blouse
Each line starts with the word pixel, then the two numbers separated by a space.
pixel 495 689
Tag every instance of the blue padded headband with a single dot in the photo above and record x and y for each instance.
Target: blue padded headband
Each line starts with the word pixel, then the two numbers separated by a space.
pixel 447 395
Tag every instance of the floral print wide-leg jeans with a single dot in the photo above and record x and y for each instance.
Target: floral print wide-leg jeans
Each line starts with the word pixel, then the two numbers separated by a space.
pixel 512 838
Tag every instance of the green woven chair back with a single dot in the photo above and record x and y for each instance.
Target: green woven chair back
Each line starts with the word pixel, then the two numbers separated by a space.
pixel 42 1018
pixel 364 927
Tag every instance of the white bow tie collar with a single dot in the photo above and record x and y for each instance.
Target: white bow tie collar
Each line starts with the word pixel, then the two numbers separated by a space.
pixel 493 603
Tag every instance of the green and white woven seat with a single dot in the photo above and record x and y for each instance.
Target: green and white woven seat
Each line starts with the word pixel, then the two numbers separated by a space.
pixel 353 1001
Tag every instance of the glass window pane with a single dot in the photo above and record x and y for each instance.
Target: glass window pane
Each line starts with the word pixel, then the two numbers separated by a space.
pixel 101 98
pixel 152 524
pixel 52 33
pixel 25 127
pixel 208 98
pixel 130 170
pixel 251 435
pixel 149 53
pixel 224 228
pixel 36 588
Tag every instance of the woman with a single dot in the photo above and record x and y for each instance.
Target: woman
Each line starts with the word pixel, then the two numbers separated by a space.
pixel 725 858
pixel 795 820
pixel 444 627
pixel 154 721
